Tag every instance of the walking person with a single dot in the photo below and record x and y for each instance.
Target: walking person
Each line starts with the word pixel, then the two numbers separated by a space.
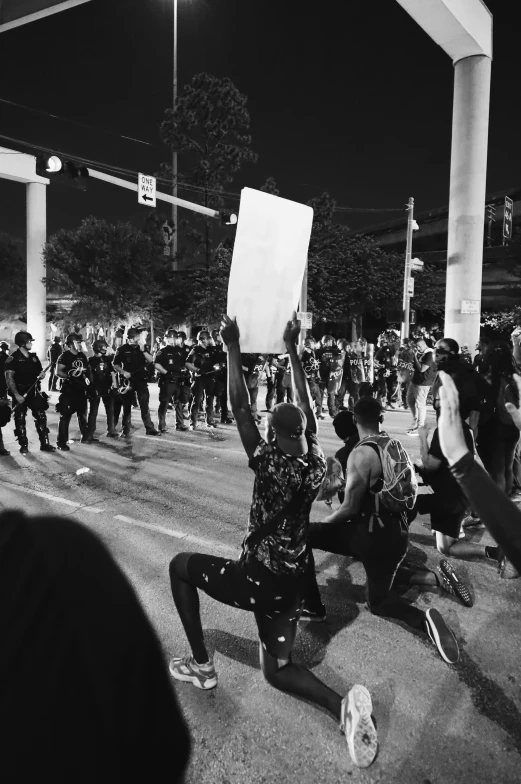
pixel 268 578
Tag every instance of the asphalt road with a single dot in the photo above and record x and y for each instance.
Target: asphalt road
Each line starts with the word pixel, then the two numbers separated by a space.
pixel 150 498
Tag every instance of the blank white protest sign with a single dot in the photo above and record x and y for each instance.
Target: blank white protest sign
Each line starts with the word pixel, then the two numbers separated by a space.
pixel 269 258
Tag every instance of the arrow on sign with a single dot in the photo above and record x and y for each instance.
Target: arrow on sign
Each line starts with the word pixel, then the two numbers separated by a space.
pixel 147 198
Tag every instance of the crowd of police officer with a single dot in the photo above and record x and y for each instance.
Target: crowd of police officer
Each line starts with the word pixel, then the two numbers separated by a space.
pixel 192 382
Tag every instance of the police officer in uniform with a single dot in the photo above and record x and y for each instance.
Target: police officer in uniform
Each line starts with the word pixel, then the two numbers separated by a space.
pixel 104 385
pixel 74 370
pixel 132 363
pixel 5 408
pixel 185 390
pixel 23 373
pixel 54 351
pixel 200 362
pixel 221 379
pixel 170 366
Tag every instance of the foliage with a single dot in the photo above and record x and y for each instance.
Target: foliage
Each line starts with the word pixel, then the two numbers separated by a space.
pixel 210 289
pixel 270 186
pixel 113 271
pixel 349 274
pixel 503 322
pixel 13 275
pixel 209 129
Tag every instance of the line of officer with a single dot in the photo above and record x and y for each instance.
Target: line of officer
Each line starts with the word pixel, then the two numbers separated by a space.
pixel 131 362
pixel 201 363
pixel 23 373
pixel 105 388
pixel 5 408
pixel 74 370
pixel 170 365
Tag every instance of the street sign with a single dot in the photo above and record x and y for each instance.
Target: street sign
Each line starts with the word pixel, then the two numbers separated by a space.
pixel 412 316
pixel 470 306
pixel 146 191
pixel 416 265
pixel 168 232
pixel 507 218
pixel 14 13
pixel 306 320
pixel 410 287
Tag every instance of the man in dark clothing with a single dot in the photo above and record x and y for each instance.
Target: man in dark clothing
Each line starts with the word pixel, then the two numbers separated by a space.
pixel 73 367
pixel 311 367
pixel 4 402
pixel 104 386
pixel 221 379
pixel 331 360
pixel 201 363
pixel 271 381
pixel 85 692
pixel 352 530
pixel 170 365
pixel 132 363
pixel 23 373
pixel 53 352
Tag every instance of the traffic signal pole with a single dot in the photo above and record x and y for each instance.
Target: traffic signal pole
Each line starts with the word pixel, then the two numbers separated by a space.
pixel 407 271
pixel 132 186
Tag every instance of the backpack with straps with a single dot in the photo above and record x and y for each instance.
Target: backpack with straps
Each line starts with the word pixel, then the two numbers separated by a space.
pixel 400 486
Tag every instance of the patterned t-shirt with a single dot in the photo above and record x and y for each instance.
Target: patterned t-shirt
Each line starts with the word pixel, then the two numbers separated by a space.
pixel 278 477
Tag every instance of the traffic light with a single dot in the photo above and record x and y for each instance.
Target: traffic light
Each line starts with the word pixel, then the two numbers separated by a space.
pixel 57 170
pixel 229 218
pixel 491 212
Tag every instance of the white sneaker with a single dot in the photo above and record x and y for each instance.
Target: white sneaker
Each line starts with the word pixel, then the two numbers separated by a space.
pixel 357 724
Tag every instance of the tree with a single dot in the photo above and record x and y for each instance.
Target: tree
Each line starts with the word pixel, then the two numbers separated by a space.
pixel 13 274
pixel 350 274
pixel 209 129
pixel 270 186
pixel 113 271
pixel 210 289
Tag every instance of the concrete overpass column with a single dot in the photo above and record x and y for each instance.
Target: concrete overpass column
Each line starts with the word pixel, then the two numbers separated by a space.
pixel 468 172
pixel 36 285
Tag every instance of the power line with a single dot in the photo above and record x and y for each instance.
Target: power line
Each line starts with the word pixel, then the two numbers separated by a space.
pixel 74 122
pixel 183 185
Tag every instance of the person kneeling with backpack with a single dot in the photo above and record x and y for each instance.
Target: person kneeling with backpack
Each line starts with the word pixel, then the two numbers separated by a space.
pixel 372 526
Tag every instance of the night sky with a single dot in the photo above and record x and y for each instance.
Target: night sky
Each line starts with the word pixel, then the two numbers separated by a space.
pixel 349 97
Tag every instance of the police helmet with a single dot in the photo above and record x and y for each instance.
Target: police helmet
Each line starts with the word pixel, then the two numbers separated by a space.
pixel 4 346
pixel 327 339
pixel 171 333
pixel 133 333
pixel 73 338
pixel 21 338
pixel 98 345
pixel 203 334
pixel 181 335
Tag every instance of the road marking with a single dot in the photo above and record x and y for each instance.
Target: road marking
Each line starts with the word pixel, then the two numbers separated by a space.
pixel 207 445
pixel 50 497
pixel 211 543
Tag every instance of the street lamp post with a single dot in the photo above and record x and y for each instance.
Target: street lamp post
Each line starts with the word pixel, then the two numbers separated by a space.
pixel 174 153
pixel 407 272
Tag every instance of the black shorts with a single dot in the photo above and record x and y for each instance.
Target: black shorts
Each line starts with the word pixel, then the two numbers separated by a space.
pixel 445 517
pixel 275 600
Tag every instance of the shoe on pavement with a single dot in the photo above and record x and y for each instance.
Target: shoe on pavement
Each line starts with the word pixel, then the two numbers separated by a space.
pixel 227 421
pixel 192 426
pixel 112 434
pixel 4 452
pixel 163 429
pixel 89 440
pixel 152 432
pixel 46 448
pixel 63 447
pixel 124 434
pixel 181 428
pixel 452 583
pixel 507 570
pixel 357 724
pixel 203 676
pixel 313 616
pixel 211 425
pixel 24 450
pixel 413 431
pixel 441 636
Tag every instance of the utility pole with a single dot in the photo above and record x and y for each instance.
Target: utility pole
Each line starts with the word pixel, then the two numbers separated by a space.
pixel 174 153
pixel 407 272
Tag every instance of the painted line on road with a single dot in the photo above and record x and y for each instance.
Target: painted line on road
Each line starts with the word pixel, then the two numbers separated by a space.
pixel 50 497
pixel 177 534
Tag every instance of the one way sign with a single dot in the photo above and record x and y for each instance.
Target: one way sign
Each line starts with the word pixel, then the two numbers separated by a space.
pixel 146 190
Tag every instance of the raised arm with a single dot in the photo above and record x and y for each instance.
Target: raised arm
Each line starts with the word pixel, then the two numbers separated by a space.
pixel 300 383
pixel 237 389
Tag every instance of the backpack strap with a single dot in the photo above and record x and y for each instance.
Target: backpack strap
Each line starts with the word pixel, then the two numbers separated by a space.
pixel 252 541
